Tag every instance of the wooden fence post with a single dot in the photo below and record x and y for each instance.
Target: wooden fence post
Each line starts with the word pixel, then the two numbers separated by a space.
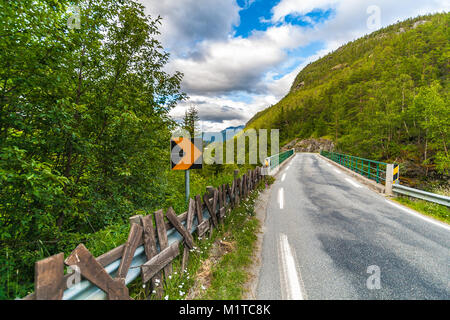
pixel 48 278
pixel 150 252
pixel 162 238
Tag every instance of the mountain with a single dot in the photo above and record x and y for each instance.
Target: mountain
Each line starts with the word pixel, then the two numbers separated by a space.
pixel 209 137
pixel 384 96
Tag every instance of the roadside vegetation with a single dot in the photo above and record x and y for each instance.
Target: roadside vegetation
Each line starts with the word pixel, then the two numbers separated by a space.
pixel 430 209
pixel 218 265
pixel 84 131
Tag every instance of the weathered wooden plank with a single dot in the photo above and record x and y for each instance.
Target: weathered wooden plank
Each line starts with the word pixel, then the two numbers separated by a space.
pixel 110 256
pixel 189 221
pixel 149 237
pixel 49 278
pixel 199 208
pixel 171 215
pixel 203 227
pixel 211 207
pixel 134 237
pixel 162 238
pixel 151 251
pixel 95 273
pixel 224 195
pixel 241 181
pixel 222 213
pixel 160 261
pixel 135 219
pixel 230 196
pixel 220 190
pixel 181 218
pixel 233 187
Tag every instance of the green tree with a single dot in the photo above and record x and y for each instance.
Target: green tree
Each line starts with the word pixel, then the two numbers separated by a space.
pixel 190 121
pixel 84 122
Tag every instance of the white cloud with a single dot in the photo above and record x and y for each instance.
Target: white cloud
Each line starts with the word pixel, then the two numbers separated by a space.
pixel 187 22
pixel 220 69
pixel 218 113
pixel 237 64
pixel 299 7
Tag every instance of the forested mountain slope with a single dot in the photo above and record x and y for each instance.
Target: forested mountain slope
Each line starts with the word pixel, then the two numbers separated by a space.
pixel 384 96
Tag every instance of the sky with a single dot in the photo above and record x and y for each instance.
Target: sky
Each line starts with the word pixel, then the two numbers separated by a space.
pixel 239 57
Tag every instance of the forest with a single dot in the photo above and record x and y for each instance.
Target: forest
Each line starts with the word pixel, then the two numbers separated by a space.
pixel 384 97
pixel 84 131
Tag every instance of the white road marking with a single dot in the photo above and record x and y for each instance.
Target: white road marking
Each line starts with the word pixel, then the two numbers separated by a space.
pixel 353 183
pixel 418 215
pixel 289 275
pixel 337 171
pixel 283 177
pixel 281 198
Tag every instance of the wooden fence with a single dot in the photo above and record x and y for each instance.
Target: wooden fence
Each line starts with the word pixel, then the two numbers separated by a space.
pixel 51 282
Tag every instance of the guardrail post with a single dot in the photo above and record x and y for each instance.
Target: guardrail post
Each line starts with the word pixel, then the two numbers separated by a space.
pixel 389 179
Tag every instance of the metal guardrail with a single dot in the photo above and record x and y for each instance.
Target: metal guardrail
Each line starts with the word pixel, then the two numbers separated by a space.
pixel 420 194
pixel 371 169
pixel 275 160
pixel 85 290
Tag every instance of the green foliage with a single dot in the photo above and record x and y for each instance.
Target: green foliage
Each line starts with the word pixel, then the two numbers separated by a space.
pixel 433 210
pixel 190 121
pixel 384 97
pixel 84 128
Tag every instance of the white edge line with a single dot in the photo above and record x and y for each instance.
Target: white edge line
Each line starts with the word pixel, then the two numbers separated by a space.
pixel 353 183
pixel 418 215
pixel 337 171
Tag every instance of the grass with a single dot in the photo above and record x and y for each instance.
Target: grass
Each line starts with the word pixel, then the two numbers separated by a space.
pixel 218 265
pixel 430 209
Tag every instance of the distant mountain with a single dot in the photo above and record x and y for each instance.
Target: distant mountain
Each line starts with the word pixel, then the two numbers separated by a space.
pixel 384 96
pixel 209 137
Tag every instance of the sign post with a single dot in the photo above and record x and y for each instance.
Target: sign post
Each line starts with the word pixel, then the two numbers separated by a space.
pixel 186 154
pixel 186 184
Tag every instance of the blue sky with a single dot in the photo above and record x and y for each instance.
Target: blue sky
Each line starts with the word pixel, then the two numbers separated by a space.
pixel 241 56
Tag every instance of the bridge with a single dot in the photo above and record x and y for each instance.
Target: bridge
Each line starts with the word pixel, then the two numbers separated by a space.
pixel 328 236
pixel 329 233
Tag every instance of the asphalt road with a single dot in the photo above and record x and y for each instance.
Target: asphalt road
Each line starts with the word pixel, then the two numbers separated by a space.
pixel 326 236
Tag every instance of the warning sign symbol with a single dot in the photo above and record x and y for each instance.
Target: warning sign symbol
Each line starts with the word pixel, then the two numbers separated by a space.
pixel 186 154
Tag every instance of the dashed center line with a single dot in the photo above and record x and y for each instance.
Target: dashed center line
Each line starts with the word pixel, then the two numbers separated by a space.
pixel 289 275
pixel 281 198
pixel 337 171
pixel 283 177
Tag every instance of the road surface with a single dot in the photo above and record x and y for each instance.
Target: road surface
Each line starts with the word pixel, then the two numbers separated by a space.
pixel 326 236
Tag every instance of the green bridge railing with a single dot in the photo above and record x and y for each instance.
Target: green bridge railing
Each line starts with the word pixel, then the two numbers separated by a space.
pixel 371 169
pixel 279 158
